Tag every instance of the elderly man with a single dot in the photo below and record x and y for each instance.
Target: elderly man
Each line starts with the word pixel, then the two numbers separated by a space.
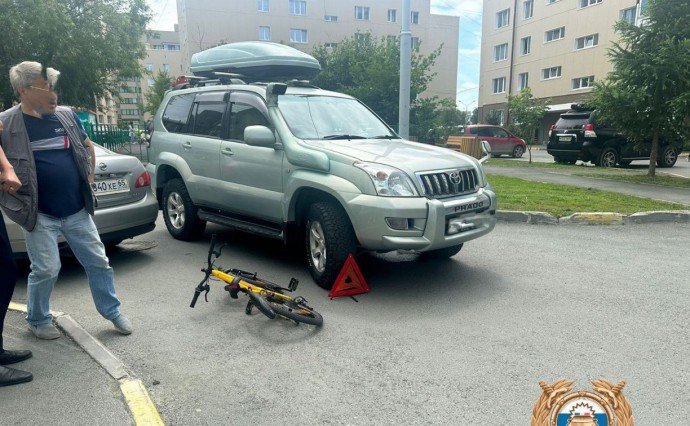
pixel 54 160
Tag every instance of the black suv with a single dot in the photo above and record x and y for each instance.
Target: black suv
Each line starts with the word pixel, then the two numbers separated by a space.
pixel 577 136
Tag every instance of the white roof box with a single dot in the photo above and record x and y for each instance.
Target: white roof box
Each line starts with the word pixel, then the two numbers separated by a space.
pixel 256 61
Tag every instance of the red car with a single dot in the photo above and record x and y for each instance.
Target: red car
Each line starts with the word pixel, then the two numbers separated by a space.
pixel 502 141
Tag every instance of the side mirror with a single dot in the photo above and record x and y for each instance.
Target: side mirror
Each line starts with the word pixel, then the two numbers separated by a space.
pixel 259 136
pixel 486 148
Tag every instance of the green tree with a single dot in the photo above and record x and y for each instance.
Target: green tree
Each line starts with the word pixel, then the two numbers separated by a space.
pixel 647 95
pixel 494 117
pixel 526 113
pixel 93 43
pixel 474 118
pixel 369 69
pixel 161 84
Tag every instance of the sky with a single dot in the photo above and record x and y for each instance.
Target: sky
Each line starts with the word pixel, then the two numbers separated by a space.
pixel 469 11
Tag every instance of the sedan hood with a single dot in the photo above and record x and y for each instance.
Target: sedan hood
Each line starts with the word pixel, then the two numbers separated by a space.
pixel 410 156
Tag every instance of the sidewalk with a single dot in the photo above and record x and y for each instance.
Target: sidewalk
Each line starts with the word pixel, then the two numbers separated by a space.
pixel 77 381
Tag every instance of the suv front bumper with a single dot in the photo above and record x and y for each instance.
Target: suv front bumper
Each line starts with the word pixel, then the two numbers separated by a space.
pixel 432 224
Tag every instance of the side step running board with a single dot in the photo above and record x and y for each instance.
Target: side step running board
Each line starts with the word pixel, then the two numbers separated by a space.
pixel 241 225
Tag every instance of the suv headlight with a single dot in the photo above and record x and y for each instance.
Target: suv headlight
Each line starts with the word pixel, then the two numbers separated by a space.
pixel 388 181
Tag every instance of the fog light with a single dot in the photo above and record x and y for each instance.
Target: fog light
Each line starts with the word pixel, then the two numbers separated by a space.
pixel 398 223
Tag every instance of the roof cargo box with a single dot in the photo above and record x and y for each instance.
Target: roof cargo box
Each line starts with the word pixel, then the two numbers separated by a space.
pixel 256 61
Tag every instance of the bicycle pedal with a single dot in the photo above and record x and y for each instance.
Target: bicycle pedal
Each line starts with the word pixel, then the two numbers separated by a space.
pixel 233 289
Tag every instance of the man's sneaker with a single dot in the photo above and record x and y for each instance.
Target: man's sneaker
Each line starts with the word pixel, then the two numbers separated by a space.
pixel 45 331
pixel 122 324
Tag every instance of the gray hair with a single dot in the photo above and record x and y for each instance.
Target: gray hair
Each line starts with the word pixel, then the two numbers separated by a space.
pixel 24 74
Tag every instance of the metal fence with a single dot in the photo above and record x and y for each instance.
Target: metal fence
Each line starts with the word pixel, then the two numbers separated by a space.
pixel 115 139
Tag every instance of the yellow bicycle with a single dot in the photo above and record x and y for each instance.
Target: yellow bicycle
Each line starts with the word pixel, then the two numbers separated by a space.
pixel 268 297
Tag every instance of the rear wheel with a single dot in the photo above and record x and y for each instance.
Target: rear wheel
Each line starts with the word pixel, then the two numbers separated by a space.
pixel 518 151
pixel 296 310
pixel 179 212
pixel 329 240
pixel 608 157
pixel 668 157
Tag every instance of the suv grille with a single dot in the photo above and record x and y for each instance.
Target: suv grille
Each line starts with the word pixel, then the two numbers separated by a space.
pixel 449 183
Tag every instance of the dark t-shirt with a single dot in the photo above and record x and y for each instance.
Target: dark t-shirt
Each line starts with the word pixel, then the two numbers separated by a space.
pixel 59 183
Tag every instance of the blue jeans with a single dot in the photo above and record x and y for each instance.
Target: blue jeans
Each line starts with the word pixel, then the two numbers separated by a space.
pixel 82 236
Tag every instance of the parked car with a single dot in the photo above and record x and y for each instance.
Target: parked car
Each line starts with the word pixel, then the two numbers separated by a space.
pixel 126 204
pixel 305 165
pixel 577 135
pixel 501 140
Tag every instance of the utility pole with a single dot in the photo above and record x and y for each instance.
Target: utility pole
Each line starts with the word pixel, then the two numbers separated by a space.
pixel 405 65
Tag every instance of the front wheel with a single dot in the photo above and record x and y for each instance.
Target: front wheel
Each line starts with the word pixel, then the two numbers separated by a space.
pixel 668 157
pixel 179 212
pixel 608 158
pixel 296 311
pixel 329 240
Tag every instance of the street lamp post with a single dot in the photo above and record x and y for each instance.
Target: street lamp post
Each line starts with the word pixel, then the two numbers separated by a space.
pixel 467 106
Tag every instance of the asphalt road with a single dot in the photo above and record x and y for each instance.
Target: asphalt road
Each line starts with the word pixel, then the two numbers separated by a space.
pixel 463 341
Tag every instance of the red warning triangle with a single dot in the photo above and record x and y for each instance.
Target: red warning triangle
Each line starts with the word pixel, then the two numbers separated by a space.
pixel 350 280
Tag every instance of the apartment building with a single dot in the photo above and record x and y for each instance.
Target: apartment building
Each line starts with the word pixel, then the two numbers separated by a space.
pixel 557 48
pixel 304 24
pixel 163 54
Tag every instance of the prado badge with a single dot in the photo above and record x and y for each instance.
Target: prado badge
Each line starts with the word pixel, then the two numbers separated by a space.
pixel 558 406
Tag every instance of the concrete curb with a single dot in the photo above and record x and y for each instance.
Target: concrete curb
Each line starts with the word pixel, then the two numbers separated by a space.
pixel 594 218
pixel 138 400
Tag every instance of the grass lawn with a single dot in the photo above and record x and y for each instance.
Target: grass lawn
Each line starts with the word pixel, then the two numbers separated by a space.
pixel 562 200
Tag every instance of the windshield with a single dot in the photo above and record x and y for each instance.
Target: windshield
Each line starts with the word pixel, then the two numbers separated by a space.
pixel 329 117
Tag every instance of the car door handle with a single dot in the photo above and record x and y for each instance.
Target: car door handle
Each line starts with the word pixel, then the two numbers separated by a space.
pixel 187 146
pixel 227 151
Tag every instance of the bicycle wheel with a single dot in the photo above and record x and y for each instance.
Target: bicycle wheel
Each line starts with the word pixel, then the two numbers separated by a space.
pixel 296 311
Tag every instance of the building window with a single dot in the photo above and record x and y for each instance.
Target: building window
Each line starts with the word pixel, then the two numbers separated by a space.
pixel 525 45
pixel 263 5
pixel 414 43
pixel 551 1
pixel 629 14
pixel 361 13
pixel 555 34
pixel 523 80
pixel 549 73
pixel 585 3
pixel 414 17
pixel 362 37
pixel 166 67
pixel 392 15
pixel 583 82
pixel 173 47
pixel 527 9
pixel 503 18
pixel 587 41
pixel 149 67
pixel 498 85
pixel 298 36
pixel 330 18
pixel 150 82
pixel 298 7
pixel 265 33
pixel 330 45
pixel 501 52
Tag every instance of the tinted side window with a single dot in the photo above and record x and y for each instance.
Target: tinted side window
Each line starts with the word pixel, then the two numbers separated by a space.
pixel 208 119
pixel 485 131
pixel 500 133
pixel 176 113
pixel 246 110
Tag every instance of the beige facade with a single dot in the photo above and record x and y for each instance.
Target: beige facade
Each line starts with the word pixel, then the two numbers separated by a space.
pixel 303 24
pixel 556 48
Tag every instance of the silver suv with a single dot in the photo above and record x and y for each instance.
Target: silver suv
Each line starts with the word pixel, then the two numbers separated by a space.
pixel 310 167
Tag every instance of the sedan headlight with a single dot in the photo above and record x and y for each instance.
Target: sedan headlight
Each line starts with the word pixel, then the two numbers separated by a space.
pixel 389 181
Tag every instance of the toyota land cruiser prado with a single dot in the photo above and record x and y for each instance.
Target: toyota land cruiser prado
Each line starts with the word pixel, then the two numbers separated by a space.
pixel 297 163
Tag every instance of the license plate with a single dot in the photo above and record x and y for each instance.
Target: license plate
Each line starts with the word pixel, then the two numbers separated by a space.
pixel 110 186
pixel 566 139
